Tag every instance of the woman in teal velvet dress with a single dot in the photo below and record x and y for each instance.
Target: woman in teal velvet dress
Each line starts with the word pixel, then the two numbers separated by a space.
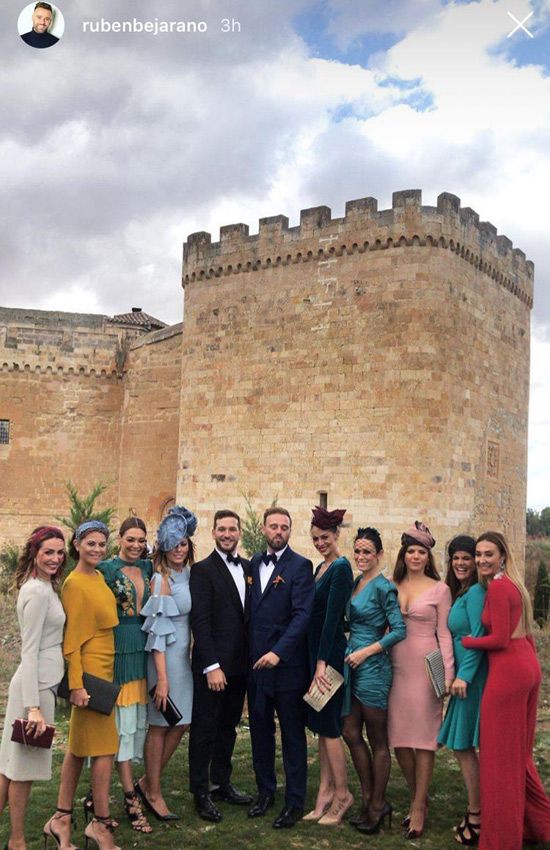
pixel 128 577
pixel 460 729
pixel 327 644
pixel 376 625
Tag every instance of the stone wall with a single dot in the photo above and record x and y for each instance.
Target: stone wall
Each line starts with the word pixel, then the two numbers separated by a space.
pixel 150 427
pixel 61 390
pixel 381 358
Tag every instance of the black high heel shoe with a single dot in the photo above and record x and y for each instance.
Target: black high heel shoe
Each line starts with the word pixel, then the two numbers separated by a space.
pixel 473 830
pixel 368 828
pixel 149 806
pixel 88 808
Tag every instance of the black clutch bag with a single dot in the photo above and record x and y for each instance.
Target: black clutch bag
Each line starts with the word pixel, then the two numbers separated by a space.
pixel 20 735
pixel 171 713
pixel 103 694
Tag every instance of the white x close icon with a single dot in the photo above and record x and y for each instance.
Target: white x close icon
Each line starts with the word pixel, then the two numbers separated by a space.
pixel 520 25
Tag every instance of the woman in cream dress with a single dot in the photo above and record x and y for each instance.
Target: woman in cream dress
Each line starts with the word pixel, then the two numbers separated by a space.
pixel 31 695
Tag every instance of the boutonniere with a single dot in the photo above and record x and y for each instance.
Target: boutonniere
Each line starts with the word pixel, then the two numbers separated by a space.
pixel 249 579
pixel 278 580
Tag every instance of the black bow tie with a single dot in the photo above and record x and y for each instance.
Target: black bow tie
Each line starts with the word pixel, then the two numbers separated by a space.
pixel 233 559
pixel 270 559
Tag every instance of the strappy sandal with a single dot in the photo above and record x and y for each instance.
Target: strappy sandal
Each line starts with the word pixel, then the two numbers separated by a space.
pixel 473 830
pixel 49 831
pixel 88 807
pixel 134 810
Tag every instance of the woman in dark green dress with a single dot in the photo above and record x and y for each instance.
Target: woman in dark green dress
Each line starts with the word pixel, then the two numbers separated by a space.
pixel 460 730
pixel 327 644
pixel 128 576
pixel 376 624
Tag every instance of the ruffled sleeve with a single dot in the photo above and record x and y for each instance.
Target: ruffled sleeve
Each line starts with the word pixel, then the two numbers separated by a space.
pixel 158 612
pixel 387 599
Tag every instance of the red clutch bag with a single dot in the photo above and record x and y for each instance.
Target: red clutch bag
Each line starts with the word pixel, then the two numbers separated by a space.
pixel 20 735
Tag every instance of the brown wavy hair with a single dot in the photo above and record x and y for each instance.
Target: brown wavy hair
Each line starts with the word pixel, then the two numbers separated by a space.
pixel 400 570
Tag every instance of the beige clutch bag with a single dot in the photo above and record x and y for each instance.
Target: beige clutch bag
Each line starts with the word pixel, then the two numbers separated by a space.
pixel 315 698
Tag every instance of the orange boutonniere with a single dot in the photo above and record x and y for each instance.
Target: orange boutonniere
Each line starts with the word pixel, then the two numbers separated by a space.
pixel 249 579
pixel 278 580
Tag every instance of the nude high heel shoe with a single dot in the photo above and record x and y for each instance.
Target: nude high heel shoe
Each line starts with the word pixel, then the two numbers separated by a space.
pixel 336 813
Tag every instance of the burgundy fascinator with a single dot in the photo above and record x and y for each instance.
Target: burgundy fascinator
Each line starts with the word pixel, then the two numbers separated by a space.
pixel 326 520
pixel 418 533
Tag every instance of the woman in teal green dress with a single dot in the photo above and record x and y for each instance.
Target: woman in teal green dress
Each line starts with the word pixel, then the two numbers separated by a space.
pixel 327 644
pixel 376 625
pixel 128 576
pixel 460 729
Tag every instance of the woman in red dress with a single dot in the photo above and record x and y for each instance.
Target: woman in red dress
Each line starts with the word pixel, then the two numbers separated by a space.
pixel 514 806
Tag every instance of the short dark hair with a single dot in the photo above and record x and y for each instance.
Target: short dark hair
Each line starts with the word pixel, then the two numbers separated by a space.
pixel 43 6
pixel 275 509
pixel 371 534
pixel 223 514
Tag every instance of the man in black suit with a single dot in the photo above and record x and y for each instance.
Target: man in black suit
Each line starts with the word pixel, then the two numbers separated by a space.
pixel 281 602
pixel 219 614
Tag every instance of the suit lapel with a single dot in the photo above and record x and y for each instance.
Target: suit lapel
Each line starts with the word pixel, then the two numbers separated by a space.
pixel 278 570
pixel 227 578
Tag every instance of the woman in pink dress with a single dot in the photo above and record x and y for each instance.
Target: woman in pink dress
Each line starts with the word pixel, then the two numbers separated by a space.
pixel 414 711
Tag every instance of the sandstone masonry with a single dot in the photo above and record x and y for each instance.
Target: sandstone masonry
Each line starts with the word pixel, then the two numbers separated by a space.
pixel 379 361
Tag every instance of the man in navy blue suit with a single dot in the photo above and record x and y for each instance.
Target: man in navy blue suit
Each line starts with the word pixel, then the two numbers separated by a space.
pixel 280 607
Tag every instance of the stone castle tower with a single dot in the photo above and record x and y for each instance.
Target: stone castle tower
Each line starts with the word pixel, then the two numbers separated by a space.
pixel 379 362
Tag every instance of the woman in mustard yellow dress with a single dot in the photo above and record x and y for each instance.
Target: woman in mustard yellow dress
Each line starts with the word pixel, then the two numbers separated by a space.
pixel 88 647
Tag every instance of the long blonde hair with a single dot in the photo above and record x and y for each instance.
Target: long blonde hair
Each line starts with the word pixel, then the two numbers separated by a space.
pixel 512 572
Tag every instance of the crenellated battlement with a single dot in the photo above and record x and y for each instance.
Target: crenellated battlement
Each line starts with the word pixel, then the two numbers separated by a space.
pixel 25 367
pixel 363 228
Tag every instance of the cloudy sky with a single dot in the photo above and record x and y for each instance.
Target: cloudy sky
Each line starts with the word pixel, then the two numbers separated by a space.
pixel 115 146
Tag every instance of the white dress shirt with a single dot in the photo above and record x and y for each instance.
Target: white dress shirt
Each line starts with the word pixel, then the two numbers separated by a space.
pixel 266 570
pixel 236 572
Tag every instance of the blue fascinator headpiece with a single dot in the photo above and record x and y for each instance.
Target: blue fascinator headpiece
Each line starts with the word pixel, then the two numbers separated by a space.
pixel 178 523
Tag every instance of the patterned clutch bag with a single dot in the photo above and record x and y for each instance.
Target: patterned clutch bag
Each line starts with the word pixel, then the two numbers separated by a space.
pixel 20 735
pixel 436 672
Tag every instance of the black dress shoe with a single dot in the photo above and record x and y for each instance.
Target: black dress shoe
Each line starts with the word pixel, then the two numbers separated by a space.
pixel 230 794
pixel 288 817
pixel 206 808
pixel 260 806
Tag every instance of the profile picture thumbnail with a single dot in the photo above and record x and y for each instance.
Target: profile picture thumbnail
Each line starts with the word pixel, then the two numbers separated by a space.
pixel 41 24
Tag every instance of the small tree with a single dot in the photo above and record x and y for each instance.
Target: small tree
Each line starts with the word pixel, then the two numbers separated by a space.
pixel 541 604
pixel 82 508
pixel 252 536
pixel 9 558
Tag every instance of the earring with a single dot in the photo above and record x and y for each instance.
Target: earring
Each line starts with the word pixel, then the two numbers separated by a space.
pixel 501 565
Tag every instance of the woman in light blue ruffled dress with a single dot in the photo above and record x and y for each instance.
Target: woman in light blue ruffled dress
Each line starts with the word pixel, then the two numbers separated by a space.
pixel 168 643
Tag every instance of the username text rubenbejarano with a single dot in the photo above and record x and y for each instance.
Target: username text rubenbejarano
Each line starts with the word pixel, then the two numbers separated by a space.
pixel 154 26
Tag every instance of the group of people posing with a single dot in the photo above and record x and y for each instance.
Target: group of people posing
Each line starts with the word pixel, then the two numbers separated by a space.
pixel 187 640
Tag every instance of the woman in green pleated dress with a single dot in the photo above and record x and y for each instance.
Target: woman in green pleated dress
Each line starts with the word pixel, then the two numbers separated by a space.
pixel 128 576
pixel 460 729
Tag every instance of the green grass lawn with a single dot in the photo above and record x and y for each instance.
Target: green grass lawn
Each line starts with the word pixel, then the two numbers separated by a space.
pixel 447 797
